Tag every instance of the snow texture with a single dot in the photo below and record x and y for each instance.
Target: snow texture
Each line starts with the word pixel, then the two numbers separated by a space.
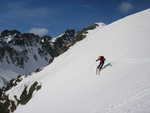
pixel 70 84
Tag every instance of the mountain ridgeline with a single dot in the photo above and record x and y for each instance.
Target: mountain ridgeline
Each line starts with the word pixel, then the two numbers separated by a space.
pixel 24 53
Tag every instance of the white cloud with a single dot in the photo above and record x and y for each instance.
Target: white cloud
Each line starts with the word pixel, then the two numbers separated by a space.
pixel 125 7
pixel 39 31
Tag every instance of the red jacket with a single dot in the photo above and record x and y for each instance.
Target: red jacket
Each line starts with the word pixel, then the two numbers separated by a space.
pixel 101 59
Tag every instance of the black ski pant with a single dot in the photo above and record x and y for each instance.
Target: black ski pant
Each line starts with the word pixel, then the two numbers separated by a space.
pixel 100 65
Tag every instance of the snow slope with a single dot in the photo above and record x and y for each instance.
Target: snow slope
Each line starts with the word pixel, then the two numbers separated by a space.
pixel 70 84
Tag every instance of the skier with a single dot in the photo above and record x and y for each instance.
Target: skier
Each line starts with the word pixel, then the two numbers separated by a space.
pixel 101 63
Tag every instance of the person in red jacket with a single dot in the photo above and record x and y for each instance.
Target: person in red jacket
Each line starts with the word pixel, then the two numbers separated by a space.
pixel 101 60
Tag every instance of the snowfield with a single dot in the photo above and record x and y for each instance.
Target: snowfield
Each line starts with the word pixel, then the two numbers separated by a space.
pixel 70 83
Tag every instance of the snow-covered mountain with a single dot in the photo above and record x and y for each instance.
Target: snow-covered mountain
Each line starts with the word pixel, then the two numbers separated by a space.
pixel 70 83
pixel 24 53
pixel 15 93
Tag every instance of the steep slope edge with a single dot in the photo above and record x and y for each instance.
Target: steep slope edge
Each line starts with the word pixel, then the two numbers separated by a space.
pixel 73 86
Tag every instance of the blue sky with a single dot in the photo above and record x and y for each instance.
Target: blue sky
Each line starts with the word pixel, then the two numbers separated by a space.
pixel 55 16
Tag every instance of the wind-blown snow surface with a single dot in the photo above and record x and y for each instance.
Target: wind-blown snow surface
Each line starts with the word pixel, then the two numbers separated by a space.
pixel 70 84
